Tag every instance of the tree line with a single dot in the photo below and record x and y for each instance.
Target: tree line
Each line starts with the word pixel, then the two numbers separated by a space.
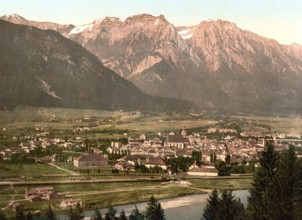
pixel 153 211
pixel 276 192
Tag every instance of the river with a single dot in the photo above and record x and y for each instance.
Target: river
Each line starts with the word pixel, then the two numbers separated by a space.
pixel 180 208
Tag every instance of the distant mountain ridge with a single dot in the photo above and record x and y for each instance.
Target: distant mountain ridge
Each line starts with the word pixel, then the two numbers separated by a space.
pixel 43 68
pixel 214 64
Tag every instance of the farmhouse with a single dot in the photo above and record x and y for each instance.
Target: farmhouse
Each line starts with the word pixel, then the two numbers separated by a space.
pixel 89 160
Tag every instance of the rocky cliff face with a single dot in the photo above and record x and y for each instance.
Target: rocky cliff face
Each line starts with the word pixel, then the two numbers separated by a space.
pixel 42 68
pixel 214 64
pixel 132 46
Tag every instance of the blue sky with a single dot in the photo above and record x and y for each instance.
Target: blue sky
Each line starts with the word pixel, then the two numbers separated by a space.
pixel 277 19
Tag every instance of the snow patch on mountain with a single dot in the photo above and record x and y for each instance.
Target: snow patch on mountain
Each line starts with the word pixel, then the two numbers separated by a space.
pixel 185 34
pixel 46 88
pixel 80 29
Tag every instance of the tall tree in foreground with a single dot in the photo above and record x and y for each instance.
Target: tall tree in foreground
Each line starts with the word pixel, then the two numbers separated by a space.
pixel 280 195
pixel 223 207
pixel 97 214
pixel 29 216
pixel 268 164
pixel 154 210
pixel 2 215
pixel 20 215
pixel 298 191
pixel 229 207
pixel 49 214
pixel 136 215
pixel 211 208
pixel 76 214
pixel 122 215
pixel 110 215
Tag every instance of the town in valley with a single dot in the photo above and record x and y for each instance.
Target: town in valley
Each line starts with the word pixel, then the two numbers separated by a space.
pixel 78 155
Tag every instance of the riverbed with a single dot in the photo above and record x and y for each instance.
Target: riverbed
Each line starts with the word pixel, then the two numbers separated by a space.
pixel 180 208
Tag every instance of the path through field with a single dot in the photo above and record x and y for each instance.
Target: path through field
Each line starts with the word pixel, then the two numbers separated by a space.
pixel 12 199
pixel 64 169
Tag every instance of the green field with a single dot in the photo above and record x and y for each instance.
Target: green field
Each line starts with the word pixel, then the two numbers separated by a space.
pixel 24 170
pixel 62 121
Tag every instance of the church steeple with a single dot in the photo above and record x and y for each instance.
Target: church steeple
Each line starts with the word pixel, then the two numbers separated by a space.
pixel 184 132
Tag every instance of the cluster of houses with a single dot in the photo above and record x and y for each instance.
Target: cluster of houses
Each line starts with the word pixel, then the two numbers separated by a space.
pixel 151 152
pixel 38 194
pixel 41 193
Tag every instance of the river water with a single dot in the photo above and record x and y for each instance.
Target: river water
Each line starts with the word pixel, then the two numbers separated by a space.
pixel 180 208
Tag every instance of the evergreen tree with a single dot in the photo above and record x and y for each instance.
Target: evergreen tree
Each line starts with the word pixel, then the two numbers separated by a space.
pixel 50 215
pixel 97 214
pixel 2 215
pixel 136 215
pixel 20 215
pixel 159 212
pixel 262 180
pixel 71 214
pixel 78 211
pixel 76 214
pixel 110 215
pixel 122 216
pixel 225 207
pixel 282 190
pixel 298 191
pixel 211 208
pixel 29 216
pixel 154 210
pixel 229 208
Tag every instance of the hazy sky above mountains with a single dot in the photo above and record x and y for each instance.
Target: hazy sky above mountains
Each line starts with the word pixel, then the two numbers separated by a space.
pixel 277 19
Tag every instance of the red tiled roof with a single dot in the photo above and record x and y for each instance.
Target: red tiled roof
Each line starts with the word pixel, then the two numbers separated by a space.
pixel 90 157
pixel 177 139
pixel 157 161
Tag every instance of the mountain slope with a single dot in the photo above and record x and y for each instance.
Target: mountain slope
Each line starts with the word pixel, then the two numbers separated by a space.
pixel 42 68
pixel 214 64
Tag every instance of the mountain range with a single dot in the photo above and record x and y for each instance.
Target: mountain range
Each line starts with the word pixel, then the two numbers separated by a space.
pixel 43 68
pixel 213 64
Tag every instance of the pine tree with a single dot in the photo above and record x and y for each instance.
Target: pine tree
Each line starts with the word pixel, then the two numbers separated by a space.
pixel 122 215
pixel 159 212
pixel 229 208
pixel 211 208
pixel 298 191
pixel 136 215
pixel 97 214
pixel 20 215
pixel 223 207
pixel 78 211
pixel 29 216
pixel 2 215
pixel 71 214
pixel 282 190
pixel 262 179
pixel 50 215
pixel 154 210
pixel 110 215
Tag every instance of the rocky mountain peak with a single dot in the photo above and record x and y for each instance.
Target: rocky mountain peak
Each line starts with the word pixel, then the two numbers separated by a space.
pixel 14 18
pixel 146 18
pixel 108 21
